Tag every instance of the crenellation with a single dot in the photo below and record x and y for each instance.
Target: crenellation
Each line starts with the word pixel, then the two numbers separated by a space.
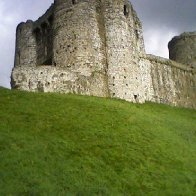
pixel 96 47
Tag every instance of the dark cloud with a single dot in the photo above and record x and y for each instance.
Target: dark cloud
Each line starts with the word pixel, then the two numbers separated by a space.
pixel 173 14
pixel 161 19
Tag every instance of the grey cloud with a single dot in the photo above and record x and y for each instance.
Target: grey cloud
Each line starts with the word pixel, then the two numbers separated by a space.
pixel 163 19
pixel 174 14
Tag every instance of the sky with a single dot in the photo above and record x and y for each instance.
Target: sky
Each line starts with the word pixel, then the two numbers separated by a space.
pixel 161 20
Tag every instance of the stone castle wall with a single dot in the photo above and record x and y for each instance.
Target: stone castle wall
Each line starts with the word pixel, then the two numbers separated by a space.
pixel 168 82
pixel 96 47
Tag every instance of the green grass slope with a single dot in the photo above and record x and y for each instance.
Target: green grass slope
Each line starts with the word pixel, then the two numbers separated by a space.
pixel 52 144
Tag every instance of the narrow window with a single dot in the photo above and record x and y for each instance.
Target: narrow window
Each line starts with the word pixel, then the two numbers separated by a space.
pixel 73 2
pixel 126 11
pixel 19 57
pixel 46 51
pixel 137 33
pixel 38 35
pixel 50 20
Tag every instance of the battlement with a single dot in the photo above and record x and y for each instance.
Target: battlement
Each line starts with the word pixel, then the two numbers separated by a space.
pixel 96 47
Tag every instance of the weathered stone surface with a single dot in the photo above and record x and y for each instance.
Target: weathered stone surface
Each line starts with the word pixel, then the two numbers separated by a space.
pixel 182 49
pixel 95 47
pixel 53 79
pixel 168 82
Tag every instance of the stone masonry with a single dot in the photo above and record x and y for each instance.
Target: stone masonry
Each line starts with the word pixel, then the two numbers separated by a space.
pixel 183 49
pixel 95 47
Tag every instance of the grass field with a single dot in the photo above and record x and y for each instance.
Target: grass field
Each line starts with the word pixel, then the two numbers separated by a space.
pixel 53 144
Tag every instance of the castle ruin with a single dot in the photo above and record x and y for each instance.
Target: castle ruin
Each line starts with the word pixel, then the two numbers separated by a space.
pixel 96 47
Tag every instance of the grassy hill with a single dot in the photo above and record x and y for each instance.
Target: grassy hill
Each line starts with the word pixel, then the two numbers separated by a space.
pixel 52 144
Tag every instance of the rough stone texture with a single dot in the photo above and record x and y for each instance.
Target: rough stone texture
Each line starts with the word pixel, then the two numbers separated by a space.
pixel 95 47
pixel 53 79
pixel 25 52
pixel 182 49
pixel 165 81
pixel 124 42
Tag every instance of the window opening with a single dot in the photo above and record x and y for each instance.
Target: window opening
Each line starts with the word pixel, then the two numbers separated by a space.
pixel 47 62
pixel 45 51
pixel 19 57
pixel 126 11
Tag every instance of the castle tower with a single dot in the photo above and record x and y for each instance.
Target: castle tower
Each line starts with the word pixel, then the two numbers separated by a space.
pixel 182 49
pixel 25 52
pixel 95 44
pixel 78 45
pixel 124 45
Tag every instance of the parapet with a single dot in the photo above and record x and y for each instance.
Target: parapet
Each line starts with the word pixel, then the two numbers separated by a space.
pixel 168 62
pixel 182 49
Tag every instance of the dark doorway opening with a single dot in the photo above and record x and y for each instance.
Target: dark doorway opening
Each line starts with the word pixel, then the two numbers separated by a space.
pixel 48 62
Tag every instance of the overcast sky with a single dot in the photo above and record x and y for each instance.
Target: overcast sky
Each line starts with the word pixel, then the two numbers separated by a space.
pixel 161 19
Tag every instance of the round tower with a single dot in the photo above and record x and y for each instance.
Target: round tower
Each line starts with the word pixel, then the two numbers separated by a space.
pixel 25 52
pixel 182 49
pixel 79 43
pixel 124 44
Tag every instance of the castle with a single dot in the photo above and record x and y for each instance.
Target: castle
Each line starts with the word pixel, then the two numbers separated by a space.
pixel 96 47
